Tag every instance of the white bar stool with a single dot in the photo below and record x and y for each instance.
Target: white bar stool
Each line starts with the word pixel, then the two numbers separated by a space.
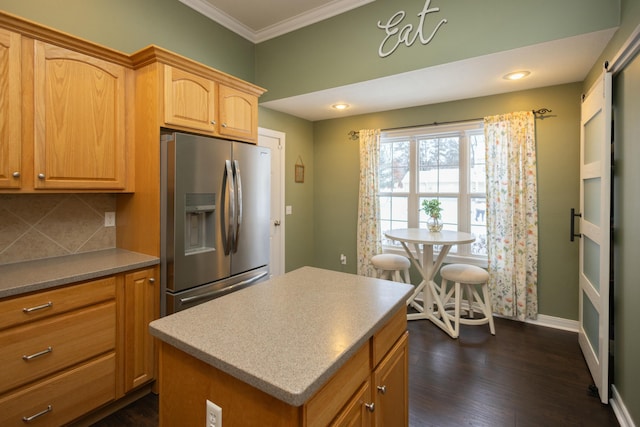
pixel 466 278
pixel 389 267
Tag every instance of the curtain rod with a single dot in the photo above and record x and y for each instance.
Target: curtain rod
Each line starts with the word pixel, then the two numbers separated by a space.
pixel 354 134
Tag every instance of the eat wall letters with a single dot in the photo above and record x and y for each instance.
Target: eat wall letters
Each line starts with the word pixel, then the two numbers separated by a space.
pixel 396 36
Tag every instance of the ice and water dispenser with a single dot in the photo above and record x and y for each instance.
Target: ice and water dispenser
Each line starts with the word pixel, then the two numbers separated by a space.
pixel 199 233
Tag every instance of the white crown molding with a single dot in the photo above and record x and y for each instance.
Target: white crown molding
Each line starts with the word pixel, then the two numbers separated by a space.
pixel 215 14
pixel 312 16
pixel 294 23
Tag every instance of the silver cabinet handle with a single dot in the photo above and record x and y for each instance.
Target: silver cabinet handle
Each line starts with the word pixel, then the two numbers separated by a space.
pixel 382 389
pixel 41 176
pixel 38 354
pixel 213 122
pixel 152 280
pixel 39 414
pixel 224 125
pixel 276 222
pixel 16 174
pixel 38 307
pixel 370 406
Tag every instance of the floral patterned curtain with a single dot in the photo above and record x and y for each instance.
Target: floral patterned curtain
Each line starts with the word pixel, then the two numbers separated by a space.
pixel 368 234
pixel 512 214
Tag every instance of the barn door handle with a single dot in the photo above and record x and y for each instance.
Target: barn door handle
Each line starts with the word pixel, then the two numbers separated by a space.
pixel 573 225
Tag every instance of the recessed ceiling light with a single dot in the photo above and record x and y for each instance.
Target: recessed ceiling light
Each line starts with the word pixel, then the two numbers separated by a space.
pixel 516 75
pixel 341 106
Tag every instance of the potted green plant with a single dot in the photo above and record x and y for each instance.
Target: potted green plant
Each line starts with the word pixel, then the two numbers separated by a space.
pixel 433 210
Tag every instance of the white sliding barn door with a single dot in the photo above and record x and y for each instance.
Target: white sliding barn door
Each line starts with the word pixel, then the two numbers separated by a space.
pixel 595 209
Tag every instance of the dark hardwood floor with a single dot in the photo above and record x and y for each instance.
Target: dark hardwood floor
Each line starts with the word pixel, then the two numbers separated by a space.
pixel 525 376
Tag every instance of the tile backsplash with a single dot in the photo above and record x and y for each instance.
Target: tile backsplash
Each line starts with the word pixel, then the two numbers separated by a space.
pixel 34 226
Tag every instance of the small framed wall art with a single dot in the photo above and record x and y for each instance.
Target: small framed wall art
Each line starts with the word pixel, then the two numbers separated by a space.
pixel 299 175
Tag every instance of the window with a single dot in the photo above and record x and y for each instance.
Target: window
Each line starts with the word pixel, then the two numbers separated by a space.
pixel 444 162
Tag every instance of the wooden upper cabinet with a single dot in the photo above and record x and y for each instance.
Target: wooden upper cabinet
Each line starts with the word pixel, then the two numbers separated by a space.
pixel 10 110
pixel 79 121
pixel 208 106
pixel 238 113
pixel 189 100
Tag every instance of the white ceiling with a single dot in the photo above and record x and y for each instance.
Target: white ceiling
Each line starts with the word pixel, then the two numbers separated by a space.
pixel 557 62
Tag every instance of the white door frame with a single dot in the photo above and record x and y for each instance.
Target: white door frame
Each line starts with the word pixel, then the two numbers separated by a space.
pixel 276 141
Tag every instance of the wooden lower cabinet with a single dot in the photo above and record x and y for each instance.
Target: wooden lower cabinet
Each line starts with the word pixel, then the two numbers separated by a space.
pixel 58 353
pixel 142 298
pixel 391 394
pixel 39 349
pixel 383 400
pixel 62 398
pixel 357 412
pixel 67 351
pixel 353 396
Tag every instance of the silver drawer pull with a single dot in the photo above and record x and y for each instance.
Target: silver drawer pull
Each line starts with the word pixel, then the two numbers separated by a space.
pixel 38 354
pixel 38 307
pixel 39 414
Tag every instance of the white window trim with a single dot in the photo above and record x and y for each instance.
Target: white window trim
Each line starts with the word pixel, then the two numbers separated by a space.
pixel 463 129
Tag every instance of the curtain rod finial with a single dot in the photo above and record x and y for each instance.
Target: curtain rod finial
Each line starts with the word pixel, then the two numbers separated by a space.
pixel 353 135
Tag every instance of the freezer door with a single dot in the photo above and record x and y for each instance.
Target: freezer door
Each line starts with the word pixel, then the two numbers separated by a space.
pixel 252 171
pixel 194 179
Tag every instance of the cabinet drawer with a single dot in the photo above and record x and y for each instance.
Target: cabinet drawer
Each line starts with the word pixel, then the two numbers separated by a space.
pixel 329 400
pixel 55 344
pixel 70 395
pixel 384 339
pixel 27 308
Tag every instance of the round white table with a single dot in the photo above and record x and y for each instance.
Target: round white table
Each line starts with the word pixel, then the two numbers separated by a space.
pixel 423 242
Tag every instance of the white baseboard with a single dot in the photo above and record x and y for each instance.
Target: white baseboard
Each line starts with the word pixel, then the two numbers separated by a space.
pixel 623 416
pixel 550 322
pixel 555 322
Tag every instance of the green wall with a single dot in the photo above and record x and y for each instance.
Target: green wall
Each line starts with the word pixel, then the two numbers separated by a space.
pixel 344 49
pixel 336 177
pixel 130 25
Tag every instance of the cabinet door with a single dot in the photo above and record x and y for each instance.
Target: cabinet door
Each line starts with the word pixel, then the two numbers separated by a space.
pixel 10 114
pixel 141 307
pixel 391 386
pixel 189 100
pixel 79 132
pixel 358 411
pixel 238 114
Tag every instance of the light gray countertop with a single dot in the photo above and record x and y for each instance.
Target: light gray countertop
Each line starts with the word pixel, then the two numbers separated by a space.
pixel 28 276
pixel 286 336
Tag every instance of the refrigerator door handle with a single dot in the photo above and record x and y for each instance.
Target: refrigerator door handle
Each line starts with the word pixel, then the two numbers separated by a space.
pixel 238 182
pixel 228 211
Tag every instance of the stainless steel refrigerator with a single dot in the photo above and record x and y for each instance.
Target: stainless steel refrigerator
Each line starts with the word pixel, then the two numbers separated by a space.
pixel 215 201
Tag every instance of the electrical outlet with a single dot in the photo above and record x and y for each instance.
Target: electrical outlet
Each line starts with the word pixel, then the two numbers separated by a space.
pixel 109 219
pixel 343 259
pixel 214 415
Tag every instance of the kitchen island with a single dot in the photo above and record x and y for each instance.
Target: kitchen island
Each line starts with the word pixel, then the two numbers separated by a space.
pixel 310 347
